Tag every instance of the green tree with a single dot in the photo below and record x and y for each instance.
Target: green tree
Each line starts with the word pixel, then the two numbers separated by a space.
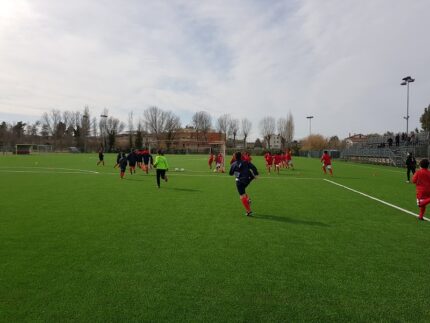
pixel 425 119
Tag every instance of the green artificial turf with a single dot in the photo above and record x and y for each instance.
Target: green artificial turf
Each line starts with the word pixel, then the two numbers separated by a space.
pixel 77 243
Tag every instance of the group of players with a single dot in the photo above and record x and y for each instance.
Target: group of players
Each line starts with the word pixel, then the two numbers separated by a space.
pixel 278 160
pixel 244 171
pixel 142 159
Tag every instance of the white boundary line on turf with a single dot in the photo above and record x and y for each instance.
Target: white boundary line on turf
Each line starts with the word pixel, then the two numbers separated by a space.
pixel 376 199
pixel 44 172
pixel 52 168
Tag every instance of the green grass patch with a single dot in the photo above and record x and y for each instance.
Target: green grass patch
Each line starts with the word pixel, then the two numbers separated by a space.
pixel 77 243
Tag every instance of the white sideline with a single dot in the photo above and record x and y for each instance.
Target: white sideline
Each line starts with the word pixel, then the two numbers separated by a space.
pixel 376 199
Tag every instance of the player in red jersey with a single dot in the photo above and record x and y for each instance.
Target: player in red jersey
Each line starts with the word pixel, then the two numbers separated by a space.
pixel 269 161
pixel 219 160
pixel 283 160
pixel 326 160
pixel 422 180
pixel 247 157
pixel 278 161
pixel 211 160
pixel 289 159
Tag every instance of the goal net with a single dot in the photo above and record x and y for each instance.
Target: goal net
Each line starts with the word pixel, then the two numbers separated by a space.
pixel 186 146
pixel 43 149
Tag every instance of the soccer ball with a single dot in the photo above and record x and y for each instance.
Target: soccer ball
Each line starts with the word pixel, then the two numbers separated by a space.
pixel 176 169
pixel 182 169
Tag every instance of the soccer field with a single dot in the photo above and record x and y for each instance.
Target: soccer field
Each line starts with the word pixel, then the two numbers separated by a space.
pixel 77 243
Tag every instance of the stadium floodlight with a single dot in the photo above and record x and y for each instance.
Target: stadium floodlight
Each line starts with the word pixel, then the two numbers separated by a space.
pixel 310 124
pixel 406 81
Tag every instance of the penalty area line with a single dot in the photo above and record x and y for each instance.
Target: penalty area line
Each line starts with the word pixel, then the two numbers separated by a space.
pixel 375 199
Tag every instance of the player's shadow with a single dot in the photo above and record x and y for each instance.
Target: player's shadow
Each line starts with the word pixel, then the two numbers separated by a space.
pixel 269 217
pixel 133 179
pixel 182 189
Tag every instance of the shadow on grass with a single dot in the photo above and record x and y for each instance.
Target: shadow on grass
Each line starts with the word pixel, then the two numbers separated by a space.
pixel 277 218
pixel 134 179
pixel 181 189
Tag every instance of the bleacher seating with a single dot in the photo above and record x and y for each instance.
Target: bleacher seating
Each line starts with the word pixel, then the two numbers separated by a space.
pixel 377 150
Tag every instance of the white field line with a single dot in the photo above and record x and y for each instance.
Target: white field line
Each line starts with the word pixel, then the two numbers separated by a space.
pixel 53 168
pixel 376 199
pixel 43 172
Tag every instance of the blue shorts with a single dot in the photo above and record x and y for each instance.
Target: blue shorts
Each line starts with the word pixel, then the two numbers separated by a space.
pixel 241 187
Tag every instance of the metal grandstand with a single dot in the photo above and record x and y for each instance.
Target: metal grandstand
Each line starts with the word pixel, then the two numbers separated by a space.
pixel 377 150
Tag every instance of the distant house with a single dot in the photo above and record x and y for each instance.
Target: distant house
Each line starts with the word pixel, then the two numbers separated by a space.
pixel 275 142
pixel 355 139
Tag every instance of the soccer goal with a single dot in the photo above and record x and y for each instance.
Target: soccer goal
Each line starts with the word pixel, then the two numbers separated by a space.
pixel 23 149
pixel 187 146
pixel 43 149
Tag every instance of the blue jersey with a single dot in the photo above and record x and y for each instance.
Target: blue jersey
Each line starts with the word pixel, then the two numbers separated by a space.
pixel 244 171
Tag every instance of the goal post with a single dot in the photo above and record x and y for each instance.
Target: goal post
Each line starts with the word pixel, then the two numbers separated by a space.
pixel 43 149
pixel 186 146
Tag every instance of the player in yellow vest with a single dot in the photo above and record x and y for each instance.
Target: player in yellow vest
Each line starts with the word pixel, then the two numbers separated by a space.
pixel 162 167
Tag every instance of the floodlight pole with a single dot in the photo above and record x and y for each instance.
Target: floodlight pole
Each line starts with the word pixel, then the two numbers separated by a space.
pixel 406 81
pixel 310 124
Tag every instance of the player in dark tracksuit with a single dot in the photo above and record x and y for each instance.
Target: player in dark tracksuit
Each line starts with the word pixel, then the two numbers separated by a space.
pixel 123 164
pixel 118 157
pixel 147 160
pixel 139 158
pixel 101 156
pixel 411 166
pixel 244 172
pixel 132 159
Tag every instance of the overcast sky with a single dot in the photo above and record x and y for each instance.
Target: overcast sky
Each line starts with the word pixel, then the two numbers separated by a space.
pixel 340 61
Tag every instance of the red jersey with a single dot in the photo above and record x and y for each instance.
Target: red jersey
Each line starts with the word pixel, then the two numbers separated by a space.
pixel 288 156
pixel 247 158
pixel 422 180
pixel 219 159
pixel 211 158
pixel 326 159
pixel 278 159
pixel 269 159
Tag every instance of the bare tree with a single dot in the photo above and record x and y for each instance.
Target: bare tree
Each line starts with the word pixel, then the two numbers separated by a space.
pixel 246 129
pixel 289 136
pixel 267 128
pixel 50 122
pixel 113 127
pixel 172 125
pixel 103 126
pixel 233 127
pixel 138 142
pixel 154 119
pixel 85 126
pixel 94 126
pixel 202 122
pixel 130 129
pixel 222 124
pixel 282 131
